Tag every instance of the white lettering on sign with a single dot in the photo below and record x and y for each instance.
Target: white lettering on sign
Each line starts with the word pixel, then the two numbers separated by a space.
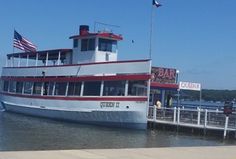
pixel 109 104
pixel 190 86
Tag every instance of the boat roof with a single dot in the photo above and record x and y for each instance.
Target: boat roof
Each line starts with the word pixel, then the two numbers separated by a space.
pixel 108 35
pixel 53 54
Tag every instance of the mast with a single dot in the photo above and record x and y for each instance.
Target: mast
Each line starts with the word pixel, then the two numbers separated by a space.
pixel 151 27
pixel 156 5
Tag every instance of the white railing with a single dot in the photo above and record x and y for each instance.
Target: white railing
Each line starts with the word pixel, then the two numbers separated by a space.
pixel 108 68
pixel 201 118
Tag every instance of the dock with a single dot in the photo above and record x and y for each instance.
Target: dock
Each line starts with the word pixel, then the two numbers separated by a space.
pixel 203 119
pixel 221 152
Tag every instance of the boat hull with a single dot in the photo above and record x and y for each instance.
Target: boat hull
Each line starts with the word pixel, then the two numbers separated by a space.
pixel 89 112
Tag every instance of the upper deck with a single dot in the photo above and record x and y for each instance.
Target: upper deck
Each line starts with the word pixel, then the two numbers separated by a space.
pixel 39 58
pixel 86 69
pixel 92 54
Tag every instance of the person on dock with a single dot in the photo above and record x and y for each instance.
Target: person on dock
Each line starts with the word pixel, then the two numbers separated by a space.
pixel 169 101
pixel 158 104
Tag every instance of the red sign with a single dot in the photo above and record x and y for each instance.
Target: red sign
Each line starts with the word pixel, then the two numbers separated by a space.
pixel 163 75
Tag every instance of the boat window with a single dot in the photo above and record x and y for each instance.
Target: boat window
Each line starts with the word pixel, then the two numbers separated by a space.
pixel 107 45
pixel 46 88
pixel 12 86
pixel 92 88
pixel 1 85
pixel 60 88
pixel 75 43
pixel 114 88
pixel 137 88
pixel 74 88
pixel 19 87
pixel 37 88
pixel 28 87
pixel 49 86
pixel 88 44
pixel 5 86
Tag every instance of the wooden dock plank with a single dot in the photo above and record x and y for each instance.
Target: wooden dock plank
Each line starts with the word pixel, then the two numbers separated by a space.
pixel 220 152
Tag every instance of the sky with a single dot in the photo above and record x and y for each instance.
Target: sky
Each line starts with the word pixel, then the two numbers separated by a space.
pixel 197 37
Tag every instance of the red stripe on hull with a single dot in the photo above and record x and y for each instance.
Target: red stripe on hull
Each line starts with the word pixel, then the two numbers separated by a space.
pixel 74 79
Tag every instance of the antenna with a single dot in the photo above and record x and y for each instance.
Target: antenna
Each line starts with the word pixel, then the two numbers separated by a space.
pixel 105 24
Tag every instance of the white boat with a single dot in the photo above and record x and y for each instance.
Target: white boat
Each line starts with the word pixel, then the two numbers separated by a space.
pixel 85 84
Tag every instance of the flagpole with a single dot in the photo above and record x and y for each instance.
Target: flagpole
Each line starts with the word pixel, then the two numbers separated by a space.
pixel 13 48
pixel 151 28
pixel 154 4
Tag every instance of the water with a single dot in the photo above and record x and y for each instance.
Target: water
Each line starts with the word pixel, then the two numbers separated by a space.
pixel 204 104
pixel 20 132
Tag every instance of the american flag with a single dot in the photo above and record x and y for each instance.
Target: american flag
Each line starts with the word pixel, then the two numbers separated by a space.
pixel 22 43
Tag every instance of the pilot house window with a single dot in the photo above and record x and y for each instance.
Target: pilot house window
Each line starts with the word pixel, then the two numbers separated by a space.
pixel 75 43
pixel 88 44
pixel 107 45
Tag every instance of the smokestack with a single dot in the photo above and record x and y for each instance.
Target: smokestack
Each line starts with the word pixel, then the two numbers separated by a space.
pixel 83 29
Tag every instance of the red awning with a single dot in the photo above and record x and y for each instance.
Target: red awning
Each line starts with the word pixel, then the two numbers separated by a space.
pixel 164 86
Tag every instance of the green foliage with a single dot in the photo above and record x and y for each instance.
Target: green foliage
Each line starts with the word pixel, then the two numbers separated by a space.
pixel 210 95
